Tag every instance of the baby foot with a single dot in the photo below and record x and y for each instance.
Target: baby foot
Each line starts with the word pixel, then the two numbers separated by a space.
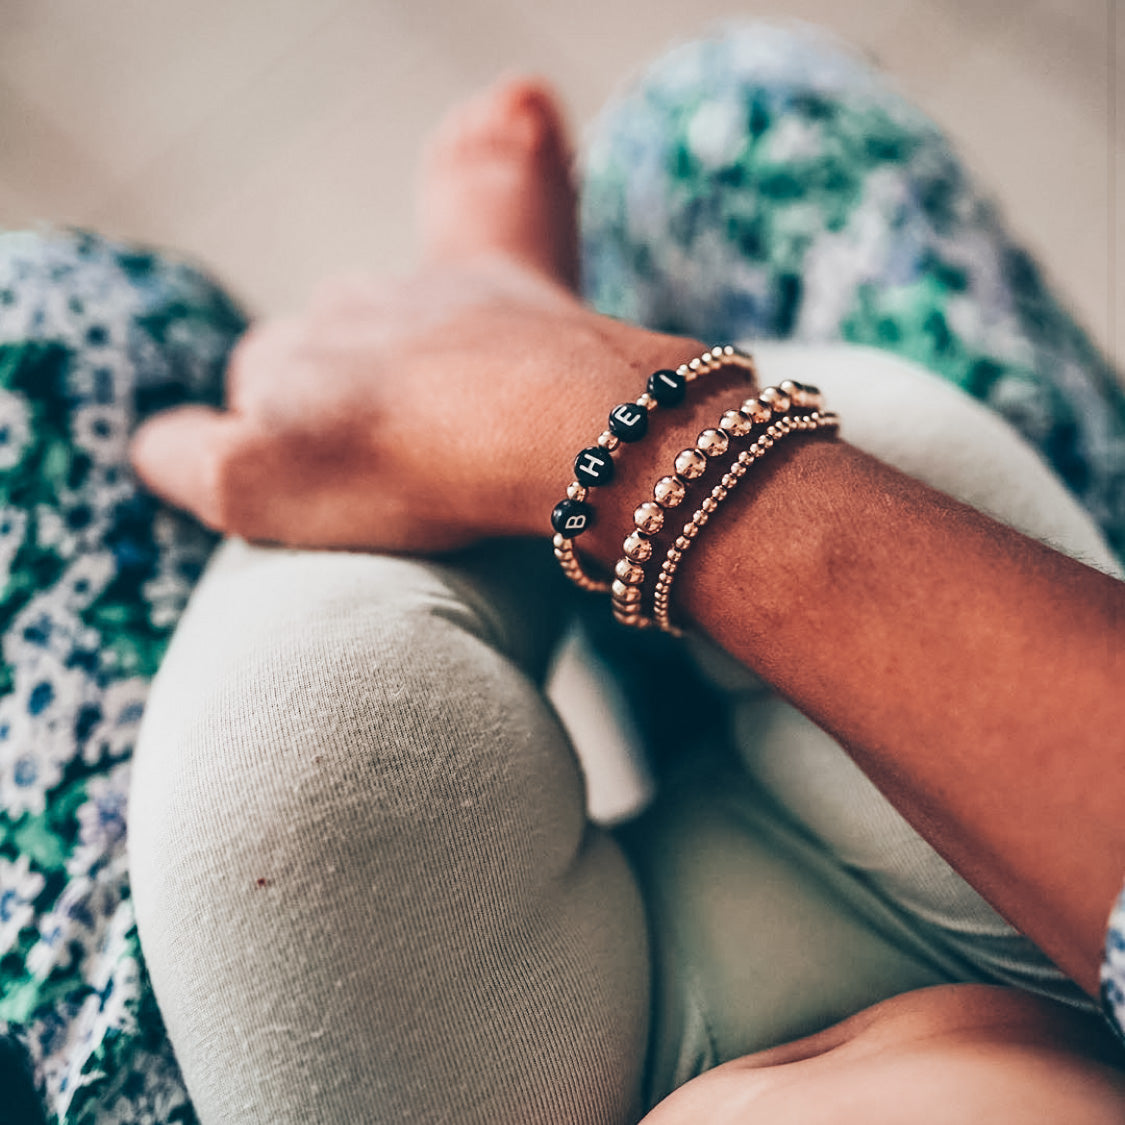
pixel 496 177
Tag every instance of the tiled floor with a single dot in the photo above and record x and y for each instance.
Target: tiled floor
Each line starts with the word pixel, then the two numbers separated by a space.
pixel 277 139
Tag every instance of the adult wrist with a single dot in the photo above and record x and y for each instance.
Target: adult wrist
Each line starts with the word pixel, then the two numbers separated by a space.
pixel 636 357
pixel 638 519
pixel 668 432
pixel 608 367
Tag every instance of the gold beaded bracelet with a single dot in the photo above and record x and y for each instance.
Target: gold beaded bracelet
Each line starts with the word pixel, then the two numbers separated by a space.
pixel 682 544
pixel 768 412
pixel 628 422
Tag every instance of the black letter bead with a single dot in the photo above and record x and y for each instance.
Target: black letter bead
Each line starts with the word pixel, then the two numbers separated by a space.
pixel 667 387
pixel 629 421
pixel 593 466
pixel 572 517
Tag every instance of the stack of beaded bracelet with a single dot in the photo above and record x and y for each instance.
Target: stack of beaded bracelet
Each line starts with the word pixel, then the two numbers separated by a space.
pixel 628 422
pixel 771 413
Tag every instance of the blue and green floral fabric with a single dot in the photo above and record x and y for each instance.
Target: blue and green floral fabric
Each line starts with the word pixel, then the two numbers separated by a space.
pixel 767 183
pixel 93 337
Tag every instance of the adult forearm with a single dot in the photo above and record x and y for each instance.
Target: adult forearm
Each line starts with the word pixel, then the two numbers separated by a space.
pixel 973 673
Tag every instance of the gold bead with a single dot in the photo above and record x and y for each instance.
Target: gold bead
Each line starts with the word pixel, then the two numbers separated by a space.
pixel 629 572
pixel 669 491
pixel 626 595
pixel 682 542
pixel 719 493
pixel 690 464
pixel 638 548
pixel 757 411
pixel 647 401
pixel 649 517
pixel 709 505
pixel 575 491
pixel 713 443
pixel 674 557
pixel 702 517
pixel 773 398
pixel 729 480
pixel 735 424
pixel 608 440
pixel 808 396
pixel 691 530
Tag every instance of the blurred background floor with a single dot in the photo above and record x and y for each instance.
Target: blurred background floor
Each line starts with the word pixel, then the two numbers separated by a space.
pixel 277 139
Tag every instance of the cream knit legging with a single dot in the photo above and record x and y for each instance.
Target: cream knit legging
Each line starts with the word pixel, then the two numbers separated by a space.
pixel 366 887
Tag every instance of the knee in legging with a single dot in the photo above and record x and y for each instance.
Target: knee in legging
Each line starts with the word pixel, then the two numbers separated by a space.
pixel 358 852
pixel 333 715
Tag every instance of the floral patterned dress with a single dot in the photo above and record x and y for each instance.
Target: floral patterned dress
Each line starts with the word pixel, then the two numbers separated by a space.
pixel 760 183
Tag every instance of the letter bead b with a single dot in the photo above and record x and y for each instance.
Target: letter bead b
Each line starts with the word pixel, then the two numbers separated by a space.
pixel 571 517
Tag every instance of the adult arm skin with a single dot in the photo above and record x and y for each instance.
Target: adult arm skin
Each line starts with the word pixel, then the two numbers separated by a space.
pixel 973 673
